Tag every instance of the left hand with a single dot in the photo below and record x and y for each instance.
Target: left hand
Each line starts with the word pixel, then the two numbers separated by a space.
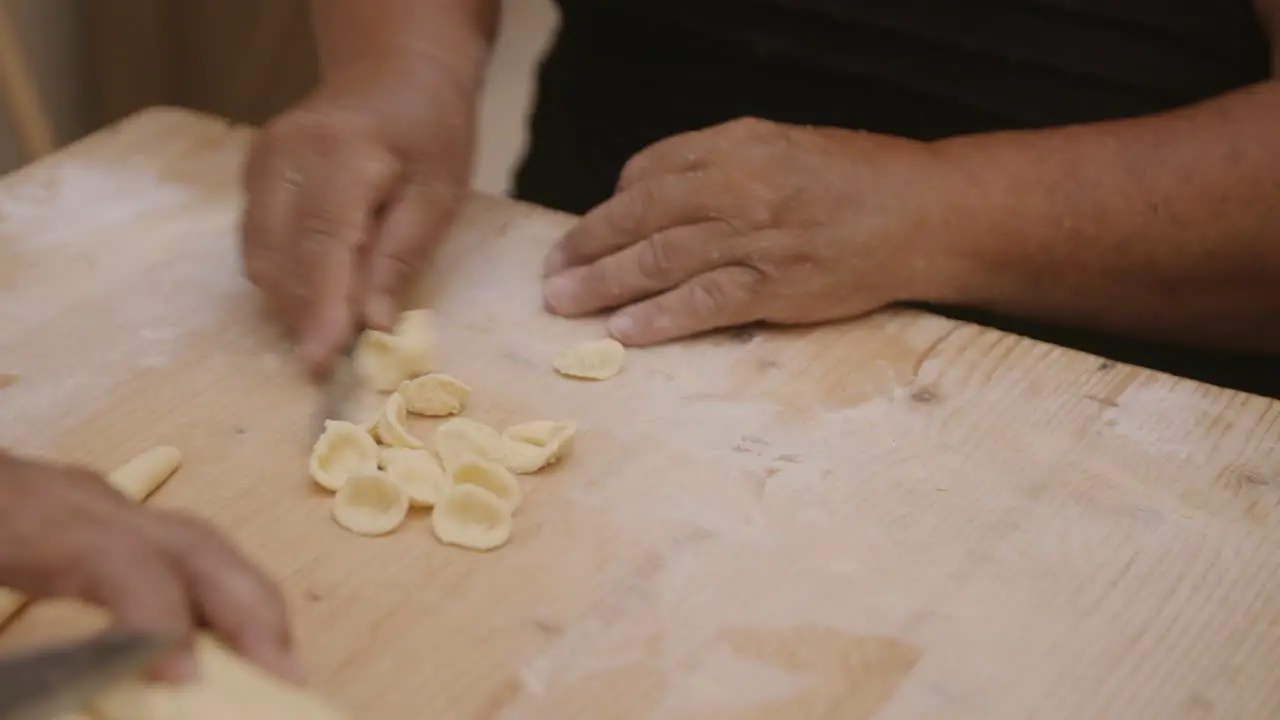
pixel 754 220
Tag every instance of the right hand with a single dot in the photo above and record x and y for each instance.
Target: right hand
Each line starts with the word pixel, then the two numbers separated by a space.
pixel 64 532
pixel 348 194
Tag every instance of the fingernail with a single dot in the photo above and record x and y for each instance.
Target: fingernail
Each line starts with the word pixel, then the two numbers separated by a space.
pixel 554 262
pixel 314 357
pixel 621 327
pixel 559 292
pixel 180 668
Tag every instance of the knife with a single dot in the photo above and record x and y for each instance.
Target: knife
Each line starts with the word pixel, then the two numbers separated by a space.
pixel 50 682
pixel 333 402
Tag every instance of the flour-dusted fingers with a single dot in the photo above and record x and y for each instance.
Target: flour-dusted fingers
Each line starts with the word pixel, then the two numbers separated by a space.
pixel 651 266
pixel 647 208
pixel 721 298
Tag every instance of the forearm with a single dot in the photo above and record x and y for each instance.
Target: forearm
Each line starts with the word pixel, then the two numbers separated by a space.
pixel 1165 226
pixel 452 35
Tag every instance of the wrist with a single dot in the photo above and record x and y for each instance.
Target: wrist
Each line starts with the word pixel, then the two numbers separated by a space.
pixel 944 220
pixel 448 41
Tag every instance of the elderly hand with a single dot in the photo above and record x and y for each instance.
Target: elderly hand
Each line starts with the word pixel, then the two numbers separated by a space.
pixel 65 533
pixel 755 221
pixel 348 194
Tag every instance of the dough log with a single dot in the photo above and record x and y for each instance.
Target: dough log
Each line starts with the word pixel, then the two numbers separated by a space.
pixel 229 688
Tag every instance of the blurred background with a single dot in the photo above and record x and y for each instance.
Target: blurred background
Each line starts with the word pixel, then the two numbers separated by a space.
pixel 91 62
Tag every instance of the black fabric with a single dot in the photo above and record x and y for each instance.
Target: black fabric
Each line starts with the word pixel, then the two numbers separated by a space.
pixel 623 74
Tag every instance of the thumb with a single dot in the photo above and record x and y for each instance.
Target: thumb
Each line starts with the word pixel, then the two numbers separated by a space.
pixel 410 232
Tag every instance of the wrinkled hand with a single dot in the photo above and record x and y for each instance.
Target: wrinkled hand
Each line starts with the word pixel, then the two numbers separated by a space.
pixel 753 221
pixel 348 194
pixel 65 533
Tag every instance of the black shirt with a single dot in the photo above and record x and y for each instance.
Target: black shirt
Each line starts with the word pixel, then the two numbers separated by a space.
pixel 623 74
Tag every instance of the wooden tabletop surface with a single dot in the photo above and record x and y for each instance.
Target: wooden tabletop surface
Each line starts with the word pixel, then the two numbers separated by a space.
pixel 898 517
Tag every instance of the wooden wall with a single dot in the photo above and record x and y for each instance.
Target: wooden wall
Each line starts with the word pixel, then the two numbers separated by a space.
pixel 242 59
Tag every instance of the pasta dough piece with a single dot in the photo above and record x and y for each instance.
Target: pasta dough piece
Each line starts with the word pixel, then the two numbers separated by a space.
pixel 460 439
pixel 136 480
pixel 391 425
pixel 418 472
pixel 593 360
pixel 470 517
pixel 146 472
pixel 384 360
pixel 434 395
pixel 229 686
pixel 370 504
pixel 529 447
pixel 343 450
pixel 491 477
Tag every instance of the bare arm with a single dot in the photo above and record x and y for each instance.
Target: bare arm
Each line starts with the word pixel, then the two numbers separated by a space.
pixel 1165 226
pixel 455 35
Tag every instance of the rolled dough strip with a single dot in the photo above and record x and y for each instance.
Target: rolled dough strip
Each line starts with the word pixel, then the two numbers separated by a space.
pixel 144 474
pixel 136 480
pixel 229 688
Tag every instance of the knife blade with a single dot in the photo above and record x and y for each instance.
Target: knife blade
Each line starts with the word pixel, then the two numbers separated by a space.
pixel 333 401
pixel 49 682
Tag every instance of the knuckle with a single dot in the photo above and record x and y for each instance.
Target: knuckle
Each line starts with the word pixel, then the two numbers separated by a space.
pixel 633 169
pixel 747 125
pixel 98 557
pixel 632 207
pixel 709 297
pixel 653 259
pixel 192 534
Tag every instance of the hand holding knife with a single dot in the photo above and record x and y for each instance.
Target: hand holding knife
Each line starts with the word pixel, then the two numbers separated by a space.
pixel 47 683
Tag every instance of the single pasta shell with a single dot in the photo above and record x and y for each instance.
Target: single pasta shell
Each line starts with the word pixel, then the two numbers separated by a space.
pixel 461 439
pixel 592 360
pixel 370 504
pixel 392 424
pixel 416 329
pixel 418 472
pixel 491 477
pixel 471 517
pixel 344 449
pixel 434 395
pixel 532 446
pixel 378 360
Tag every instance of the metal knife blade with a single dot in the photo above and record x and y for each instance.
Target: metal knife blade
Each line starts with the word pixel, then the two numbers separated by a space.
pixel 341 381
pixel 47 683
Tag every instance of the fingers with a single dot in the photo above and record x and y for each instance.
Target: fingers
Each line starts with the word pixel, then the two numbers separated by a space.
pixel 653 265
pixel 272 194
pixel 333 217
pixel 138 585
pixel 410 231
pixel 689 151
pixel 721 298
pixel 637 213
pixel 64 533
pixel 231 595
pixel 681 153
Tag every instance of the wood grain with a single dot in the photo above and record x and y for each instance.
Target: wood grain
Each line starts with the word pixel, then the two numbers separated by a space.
pixel 899 517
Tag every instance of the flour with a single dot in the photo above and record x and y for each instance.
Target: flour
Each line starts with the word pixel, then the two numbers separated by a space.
pixel 1181 415
pixel 149 317
pixel 721 681
pixel 49 214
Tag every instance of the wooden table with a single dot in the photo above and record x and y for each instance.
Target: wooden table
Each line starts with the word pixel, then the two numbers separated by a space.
pixel 900 517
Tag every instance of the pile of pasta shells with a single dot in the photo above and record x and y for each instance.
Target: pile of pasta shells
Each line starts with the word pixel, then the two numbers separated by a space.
pixel 379 471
